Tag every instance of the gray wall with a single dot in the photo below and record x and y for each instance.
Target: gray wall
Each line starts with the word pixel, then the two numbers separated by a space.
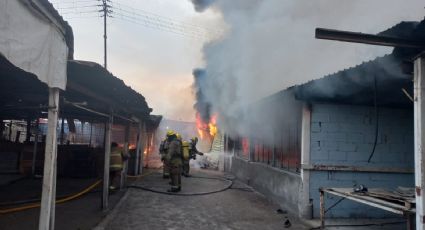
pixel 344 135
pixel 277 185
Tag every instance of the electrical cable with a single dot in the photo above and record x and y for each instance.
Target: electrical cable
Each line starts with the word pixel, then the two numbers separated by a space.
pixel 376 122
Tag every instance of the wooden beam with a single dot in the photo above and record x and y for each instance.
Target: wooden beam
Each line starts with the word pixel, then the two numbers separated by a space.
pixel 138 149
pixel 419 126
pixel 123 177
pixel 371 39
pixel 49 175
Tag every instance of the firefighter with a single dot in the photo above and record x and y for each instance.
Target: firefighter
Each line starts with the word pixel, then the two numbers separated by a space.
pixel 174 157
pixel 116 165
pixel 163 148
pixel 186 158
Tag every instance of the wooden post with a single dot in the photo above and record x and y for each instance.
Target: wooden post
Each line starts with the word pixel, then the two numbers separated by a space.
pixel 123 177
pixel 34 154
pixel 48 190
pixel 419 125
pixel 322 209
pixel 28 134
pixel 108 136
pixel 138 149
pixel 62 130
pixel 142 148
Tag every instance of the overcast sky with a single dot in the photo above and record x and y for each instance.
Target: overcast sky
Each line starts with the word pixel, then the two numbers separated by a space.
pixel 159 64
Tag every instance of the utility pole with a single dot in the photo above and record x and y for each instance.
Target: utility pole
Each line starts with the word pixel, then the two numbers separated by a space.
pixel 106 13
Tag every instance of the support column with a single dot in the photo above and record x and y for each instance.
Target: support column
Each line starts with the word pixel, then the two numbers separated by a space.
pixel 251 149
pixel 48 190
pixel 105 189
pixel 142 148
pixel 138 149
pixel 419 125
pixel 123 177
pixel 28 133
pixel 305 206
pixel 34 154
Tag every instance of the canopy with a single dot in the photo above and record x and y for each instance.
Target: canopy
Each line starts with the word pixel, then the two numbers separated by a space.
pixel 33 39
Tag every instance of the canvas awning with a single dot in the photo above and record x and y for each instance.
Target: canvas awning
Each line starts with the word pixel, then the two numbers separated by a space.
pixel 34 40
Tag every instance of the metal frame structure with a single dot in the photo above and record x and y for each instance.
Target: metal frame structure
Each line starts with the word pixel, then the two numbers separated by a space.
pixel 406 210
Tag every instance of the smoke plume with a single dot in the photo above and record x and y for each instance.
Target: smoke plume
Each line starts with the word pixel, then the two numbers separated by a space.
pixel 270 46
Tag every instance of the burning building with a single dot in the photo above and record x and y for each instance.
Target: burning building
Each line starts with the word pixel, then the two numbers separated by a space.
pixel 349 128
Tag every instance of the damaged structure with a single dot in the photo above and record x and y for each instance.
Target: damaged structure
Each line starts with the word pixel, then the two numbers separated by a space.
pixel 350 129
pixel 47 98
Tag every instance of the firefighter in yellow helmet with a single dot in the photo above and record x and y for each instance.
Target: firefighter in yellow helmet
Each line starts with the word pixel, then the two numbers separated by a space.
pixel 116 165
pixel 174 157
pixel 163 149
pixel 189 152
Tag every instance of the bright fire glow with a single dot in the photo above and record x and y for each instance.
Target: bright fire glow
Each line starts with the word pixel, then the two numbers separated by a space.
pixel 206 130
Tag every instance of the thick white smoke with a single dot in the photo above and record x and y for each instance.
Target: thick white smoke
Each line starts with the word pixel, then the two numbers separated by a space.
pixel 270 45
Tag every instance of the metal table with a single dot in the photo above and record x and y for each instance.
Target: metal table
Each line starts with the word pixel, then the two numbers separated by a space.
pixel 405 209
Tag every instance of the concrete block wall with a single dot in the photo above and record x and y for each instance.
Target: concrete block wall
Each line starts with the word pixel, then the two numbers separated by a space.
pixel 280 187
pixel 345 135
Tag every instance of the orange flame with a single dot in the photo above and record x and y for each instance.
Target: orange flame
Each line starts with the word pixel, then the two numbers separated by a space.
pixel 206 130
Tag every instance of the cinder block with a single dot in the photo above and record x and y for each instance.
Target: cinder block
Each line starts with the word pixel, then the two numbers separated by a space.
pixel 337 156
pixel 330 145
pixel 316 127
pixel 355 138
pixel 347 147
pixel 356 157
pixel 336 136
pixel 319 117
pixel 330 127
pixel 319 156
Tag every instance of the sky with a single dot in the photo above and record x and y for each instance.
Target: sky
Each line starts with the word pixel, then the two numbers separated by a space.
pixel 159 64
pixel 156 63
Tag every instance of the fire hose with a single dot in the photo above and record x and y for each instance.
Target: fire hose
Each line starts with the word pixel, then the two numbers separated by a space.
pixel 228 186
pixel 58 201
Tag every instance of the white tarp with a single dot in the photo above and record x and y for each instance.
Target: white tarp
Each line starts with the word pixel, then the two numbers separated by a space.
pixel 32 42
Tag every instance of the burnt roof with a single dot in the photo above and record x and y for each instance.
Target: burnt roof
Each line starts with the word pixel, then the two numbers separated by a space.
pixel 92 77
pixel 88 84
pixel 356 85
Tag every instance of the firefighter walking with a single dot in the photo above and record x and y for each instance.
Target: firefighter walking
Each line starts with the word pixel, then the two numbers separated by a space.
pixel 174 159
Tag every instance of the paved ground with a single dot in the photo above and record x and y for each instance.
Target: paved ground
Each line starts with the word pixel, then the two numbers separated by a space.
pixel 236 208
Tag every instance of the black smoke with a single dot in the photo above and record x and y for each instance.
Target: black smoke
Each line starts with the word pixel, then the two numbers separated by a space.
pixel 202 106
pixel 201 5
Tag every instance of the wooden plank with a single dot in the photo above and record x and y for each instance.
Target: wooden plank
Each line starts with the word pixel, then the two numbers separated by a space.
pixel 388 206
pixel 48 189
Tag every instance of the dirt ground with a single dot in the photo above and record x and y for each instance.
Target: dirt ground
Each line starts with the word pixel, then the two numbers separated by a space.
pixel 82 213
pixel 236 208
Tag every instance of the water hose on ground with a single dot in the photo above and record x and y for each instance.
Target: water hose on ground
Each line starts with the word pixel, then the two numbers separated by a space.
pixel 229 186
pixel 36 202
pixel 58 201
